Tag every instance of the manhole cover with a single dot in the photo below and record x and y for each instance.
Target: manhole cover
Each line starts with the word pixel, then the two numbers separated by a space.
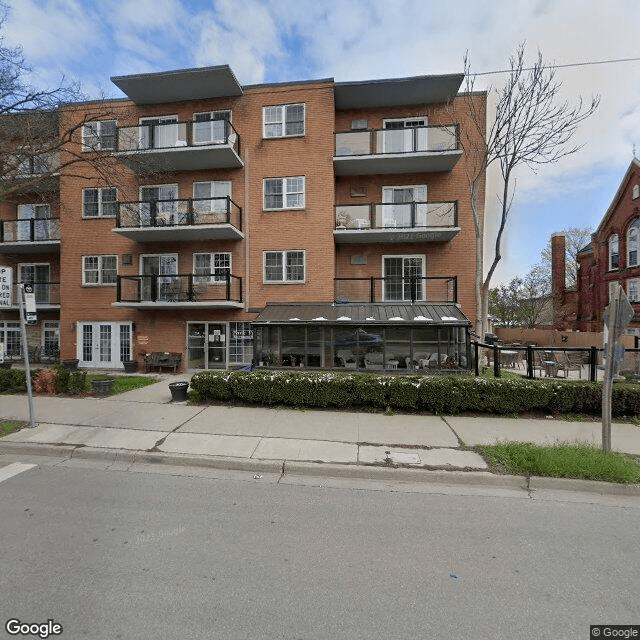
pixel 405 458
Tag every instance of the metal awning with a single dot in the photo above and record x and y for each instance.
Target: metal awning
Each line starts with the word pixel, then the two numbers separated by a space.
pixel 176 86
pixel 416 314
pixel 397 91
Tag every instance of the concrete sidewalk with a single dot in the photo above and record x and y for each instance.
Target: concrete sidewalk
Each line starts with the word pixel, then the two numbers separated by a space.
pixel 144 425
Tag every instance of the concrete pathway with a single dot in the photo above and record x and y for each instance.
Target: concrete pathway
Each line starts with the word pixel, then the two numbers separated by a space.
pixel 145 424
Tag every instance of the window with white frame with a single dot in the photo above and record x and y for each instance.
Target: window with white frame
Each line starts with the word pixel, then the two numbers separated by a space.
pixel 212 267
pixel 210 127
pixel 211 197
pixel 51 338
pixel 613 251
pixel 632 242
pixel 284 266
pixel 99 135
pixel 633 290
pixel 99 202
pixel 281 121
pixel 284 193
pixel 99 270
pixel 10 344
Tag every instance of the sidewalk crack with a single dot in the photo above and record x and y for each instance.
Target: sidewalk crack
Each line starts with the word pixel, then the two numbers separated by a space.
pixel 458 438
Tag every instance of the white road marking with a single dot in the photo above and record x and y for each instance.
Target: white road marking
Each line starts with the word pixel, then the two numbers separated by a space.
pixel 14 469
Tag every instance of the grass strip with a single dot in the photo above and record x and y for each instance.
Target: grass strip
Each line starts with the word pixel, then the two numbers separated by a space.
pixel 9 426
pixel 123 383
pixel 582 461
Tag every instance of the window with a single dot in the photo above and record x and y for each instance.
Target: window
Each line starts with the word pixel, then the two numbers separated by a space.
pixel 633 290
pixel 35 165
pixel 10 344
pixel 51 338
pixel 284 193
pixel 211 127
pixel 405 135
pixel 613 251
pixel 211 197
pixel 99 135
pixel 215 267
pixel 284 266
pixel 99 203
pixel 99 269
pixel 160 133
pixel 636 191
pixel 283 120
pixel 632 243
pixel 403 277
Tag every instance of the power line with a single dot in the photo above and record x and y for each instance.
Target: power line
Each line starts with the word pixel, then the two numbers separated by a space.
pixel 559 66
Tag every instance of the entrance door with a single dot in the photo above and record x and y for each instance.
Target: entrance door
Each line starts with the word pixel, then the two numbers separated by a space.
pixel 104 344
pixel 207 345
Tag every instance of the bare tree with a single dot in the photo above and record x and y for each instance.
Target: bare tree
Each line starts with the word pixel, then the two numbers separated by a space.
pixel 530 128
pixel 575 239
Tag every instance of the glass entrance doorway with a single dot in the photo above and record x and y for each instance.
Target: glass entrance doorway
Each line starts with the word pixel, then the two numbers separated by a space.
pixel 207 345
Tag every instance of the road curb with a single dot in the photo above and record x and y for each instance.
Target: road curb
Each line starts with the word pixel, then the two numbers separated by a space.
pixel 324 470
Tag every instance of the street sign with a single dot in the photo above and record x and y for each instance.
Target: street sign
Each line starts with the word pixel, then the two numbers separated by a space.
pixel 6 286
pixel 625 313
pixel 30 304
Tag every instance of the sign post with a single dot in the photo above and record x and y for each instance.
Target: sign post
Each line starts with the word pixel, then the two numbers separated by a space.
pixel 26 299
pixel 6 287
pixel 617 316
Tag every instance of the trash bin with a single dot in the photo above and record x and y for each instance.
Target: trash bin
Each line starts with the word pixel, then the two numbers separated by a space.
pixel 178 391
pixel 490 338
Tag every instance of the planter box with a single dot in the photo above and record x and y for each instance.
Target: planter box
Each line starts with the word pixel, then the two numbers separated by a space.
pixel 130 366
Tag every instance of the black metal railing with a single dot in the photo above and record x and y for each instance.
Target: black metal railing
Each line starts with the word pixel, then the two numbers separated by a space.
pixel 180 212
pixel 190 287
pixel 430 138
pixel 176 135
pixel 432 289
pixel 30 230
pixel 407 215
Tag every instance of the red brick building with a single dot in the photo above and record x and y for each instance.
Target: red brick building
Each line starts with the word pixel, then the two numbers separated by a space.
pixel 613 255
pixel 294 224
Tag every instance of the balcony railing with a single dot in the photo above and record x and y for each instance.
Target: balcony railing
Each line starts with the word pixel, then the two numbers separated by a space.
pixel 409 215
pixel 187 212
pixel 172 135
pixel 179 288
pixel 47 294
pixel 433 289
pixel 30 230
pixel 385 141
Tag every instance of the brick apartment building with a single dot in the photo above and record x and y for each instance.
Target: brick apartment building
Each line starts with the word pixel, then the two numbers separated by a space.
pixel 611 257
pixel 316 223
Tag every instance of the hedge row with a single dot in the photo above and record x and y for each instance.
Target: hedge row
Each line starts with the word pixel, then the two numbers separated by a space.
pixel 66 381
pixel 439 394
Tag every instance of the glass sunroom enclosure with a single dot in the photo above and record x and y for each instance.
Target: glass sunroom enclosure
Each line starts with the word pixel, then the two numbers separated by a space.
pixel 410 338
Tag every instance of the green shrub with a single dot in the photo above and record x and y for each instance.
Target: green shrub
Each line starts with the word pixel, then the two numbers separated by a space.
pixel 13 380
pixel 439 394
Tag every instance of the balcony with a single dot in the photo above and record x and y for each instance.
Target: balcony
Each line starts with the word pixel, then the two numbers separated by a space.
pixel 47 295
pixel 179 146
pixel 176 220
pixel 388 151
pixel 400 289
pixel 35 174
pixel 406 222
pixel 30 235
pixel 187 291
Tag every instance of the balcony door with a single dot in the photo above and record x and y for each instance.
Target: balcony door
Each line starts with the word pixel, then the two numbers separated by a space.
pixel 40 214
pixel 404 207
pixel 160 271
pixel 403 278
pixel 39 276
pixel 159 133
pixel 158 205
pixel 211 127
pixel 403 136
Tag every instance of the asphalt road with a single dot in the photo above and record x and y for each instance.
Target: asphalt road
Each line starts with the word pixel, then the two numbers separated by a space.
pixel 116 553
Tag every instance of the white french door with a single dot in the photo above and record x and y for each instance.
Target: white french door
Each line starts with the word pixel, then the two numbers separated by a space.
pixel 166 265
pixel 404 206
pixel 405 135
pixel 104 345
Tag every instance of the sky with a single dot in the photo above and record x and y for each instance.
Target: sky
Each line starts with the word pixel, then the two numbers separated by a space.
pixel 287 40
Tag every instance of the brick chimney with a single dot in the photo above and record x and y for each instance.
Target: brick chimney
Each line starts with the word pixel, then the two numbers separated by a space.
pixel 558 277
pixel 558 266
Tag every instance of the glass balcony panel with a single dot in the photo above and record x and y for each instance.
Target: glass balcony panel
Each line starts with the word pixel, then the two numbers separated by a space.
pixel 353 143
pixel 353 216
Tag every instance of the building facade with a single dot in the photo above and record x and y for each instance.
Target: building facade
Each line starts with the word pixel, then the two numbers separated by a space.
pixel 280 224
pixel 611 257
